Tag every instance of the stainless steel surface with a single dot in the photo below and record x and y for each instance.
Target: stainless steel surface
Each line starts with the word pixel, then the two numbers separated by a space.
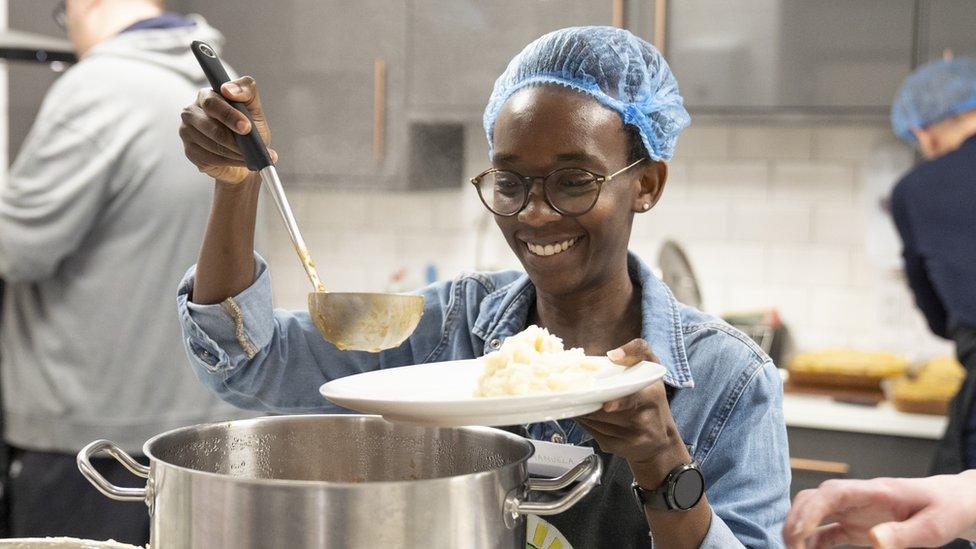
pixel 677 273
pixel 353 321
pixel 762 334
pixel 340 481
pixel 104 486
pixel 34 47
pixel 379 109
pixel 516 507
pixel 799 56
pixel 365 321
pixel 584 468
pixel 269 176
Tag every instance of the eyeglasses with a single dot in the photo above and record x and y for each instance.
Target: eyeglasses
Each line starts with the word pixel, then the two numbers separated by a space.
pixel 60 15
pixel 570 191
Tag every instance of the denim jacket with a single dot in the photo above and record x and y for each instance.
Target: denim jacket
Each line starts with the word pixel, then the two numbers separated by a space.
pixel 727 394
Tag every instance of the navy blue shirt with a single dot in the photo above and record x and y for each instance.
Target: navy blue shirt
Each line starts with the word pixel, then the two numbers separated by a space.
pixel 934 207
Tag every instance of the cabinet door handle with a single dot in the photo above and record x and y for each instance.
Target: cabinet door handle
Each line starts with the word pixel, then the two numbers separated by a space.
pixel 660 25
pixel 820 466
pixel 379 108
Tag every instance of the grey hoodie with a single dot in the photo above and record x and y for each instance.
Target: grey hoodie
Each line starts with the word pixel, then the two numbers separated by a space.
pixel 99 218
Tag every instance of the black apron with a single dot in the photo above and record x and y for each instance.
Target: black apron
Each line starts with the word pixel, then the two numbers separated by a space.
pixel 609 517
pixel 949 457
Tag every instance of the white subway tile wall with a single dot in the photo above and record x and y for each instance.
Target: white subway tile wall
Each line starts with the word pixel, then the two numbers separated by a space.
pixel 703 141
pixel 770 217
pixel 848 142
pixel 775 221
pixel 735 179
pixel 771 142
pixel 814 181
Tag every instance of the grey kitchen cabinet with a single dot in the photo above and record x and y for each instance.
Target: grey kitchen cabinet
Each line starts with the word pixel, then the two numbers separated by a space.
pixel 830 56
pixel 456 48
pixel 819 454
pixel 339 121
pixel 947 24
pixel 331 91
pixel 331 75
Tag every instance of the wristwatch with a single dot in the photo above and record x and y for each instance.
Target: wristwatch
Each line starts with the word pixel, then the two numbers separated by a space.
pixel 681 490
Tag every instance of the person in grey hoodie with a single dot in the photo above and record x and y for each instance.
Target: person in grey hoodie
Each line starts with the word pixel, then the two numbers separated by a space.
pixel 99 217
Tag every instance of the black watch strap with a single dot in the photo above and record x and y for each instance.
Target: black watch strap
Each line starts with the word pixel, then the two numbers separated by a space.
pixel 681 490
pixel 654 499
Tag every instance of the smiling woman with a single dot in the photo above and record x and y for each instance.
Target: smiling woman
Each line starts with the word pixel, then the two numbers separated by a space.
pixel 556 130
pixel 580 125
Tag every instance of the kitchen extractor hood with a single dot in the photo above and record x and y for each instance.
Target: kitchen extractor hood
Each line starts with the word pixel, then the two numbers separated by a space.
pixel 32 47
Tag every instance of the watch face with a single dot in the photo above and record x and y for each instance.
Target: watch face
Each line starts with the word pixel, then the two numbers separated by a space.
pixel 688 489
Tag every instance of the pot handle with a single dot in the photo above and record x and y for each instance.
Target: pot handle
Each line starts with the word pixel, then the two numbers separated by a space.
pixel 99 482
pixel 590 469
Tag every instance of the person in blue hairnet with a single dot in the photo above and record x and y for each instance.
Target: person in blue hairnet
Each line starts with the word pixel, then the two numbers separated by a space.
pixel 934 208
pixel 580 125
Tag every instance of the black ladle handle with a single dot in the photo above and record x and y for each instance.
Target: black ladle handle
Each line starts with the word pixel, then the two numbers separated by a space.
pixel 252 146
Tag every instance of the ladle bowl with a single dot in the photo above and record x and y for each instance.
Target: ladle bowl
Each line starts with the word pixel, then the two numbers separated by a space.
pixel 365 321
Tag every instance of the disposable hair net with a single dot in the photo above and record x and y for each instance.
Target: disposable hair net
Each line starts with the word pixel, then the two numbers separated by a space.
pixel 616 68
pixel 935 91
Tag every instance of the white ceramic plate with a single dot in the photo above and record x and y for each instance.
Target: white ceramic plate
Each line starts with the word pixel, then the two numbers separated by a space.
pixel 442 394
pixel 61 543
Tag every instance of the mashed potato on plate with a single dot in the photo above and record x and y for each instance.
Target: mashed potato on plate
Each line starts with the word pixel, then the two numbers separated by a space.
pixel 534 362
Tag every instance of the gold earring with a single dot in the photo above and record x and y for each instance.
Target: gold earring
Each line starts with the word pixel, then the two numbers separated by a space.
pixel 646 206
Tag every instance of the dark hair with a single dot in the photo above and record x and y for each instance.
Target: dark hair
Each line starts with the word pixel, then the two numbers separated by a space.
pixel 637 148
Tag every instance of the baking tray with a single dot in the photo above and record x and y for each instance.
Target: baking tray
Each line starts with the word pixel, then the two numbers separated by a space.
pixel 841 380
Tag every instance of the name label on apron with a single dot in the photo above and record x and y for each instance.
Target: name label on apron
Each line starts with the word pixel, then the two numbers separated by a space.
pixel 553 460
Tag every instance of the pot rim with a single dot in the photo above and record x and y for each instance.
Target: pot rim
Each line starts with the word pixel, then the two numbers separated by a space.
pixel 154 461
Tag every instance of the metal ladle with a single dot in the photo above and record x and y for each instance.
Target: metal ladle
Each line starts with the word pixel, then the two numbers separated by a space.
pixel 351 321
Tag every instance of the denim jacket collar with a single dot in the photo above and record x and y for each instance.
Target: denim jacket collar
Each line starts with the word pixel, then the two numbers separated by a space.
pixel 505 312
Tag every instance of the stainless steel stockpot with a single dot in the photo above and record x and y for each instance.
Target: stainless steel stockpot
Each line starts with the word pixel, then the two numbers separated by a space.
pixel 338 481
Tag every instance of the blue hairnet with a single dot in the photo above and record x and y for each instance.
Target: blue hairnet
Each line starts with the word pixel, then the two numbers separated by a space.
pixel 935 91
pixel 613 66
